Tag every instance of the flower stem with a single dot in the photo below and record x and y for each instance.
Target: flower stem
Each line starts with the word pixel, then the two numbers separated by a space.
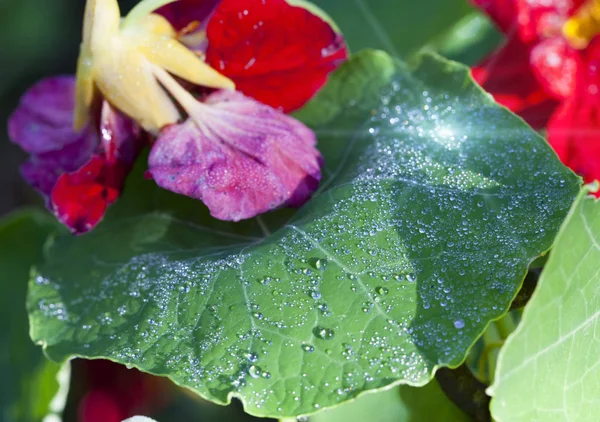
pixel 263 226
pixel 466 391
pixel 142 9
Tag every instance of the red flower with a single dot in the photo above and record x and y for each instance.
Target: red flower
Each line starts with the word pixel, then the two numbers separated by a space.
pixel 85 137
pixel 547 72
pixel 281 68
pixel 114 393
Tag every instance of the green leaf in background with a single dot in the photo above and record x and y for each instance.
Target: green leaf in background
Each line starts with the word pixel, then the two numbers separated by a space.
pixel 434 203
pixel 29 381
pixel 399 404
pixel 400 27
pixel 549 368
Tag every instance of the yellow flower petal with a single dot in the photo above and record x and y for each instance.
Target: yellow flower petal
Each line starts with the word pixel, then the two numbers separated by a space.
pixel 174 57
pixel 125 78
pixel 584 25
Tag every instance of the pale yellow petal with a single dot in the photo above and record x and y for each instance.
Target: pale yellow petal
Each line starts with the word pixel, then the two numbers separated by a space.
pixel 101 23
pixel 178 60
pixel 84 92
pixel 125 78
pixel 160 47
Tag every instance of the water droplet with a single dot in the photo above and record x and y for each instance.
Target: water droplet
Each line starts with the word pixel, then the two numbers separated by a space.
pixel 323 333
pixel 382 291
pixel 314 294
pixel 459 323
pixel 254 371
pixel 319 263
pixel 308 348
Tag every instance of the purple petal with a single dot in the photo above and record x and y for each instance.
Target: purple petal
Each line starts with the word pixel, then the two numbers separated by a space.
pixel 43 170
pixel 43 121
pixel 183 12
pixel 238 156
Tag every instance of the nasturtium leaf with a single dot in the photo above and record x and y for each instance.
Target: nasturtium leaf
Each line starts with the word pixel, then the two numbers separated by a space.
pixel 549 368
pixel 433 204
pixel 29 380
pixel 399 404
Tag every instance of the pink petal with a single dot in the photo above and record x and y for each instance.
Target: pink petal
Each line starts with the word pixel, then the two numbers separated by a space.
pixel 243 159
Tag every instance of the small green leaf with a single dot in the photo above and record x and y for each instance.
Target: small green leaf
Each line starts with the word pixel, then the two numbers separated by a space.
pixel 549 368
pixel 435 200
pixel 29 381
pixel 400 404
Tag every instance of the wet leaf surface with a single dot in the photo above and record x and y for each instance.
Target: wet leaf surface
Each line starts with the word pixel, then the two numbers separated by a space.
pixel 435 200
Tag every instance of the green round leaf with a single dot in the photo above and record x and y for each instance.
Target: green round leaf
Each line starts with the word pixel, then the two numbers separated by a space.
pixel 549 368
pixel 435 201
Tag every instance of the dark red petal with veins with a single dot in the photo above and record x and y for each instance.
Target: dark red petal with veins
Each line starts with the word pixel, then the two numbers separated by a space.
pixel 574 130
pixel 507 75
pixel 43 121
pixel 182 13
pixel 277 54
pixel 555 63
pixel 80 198
pixel 245 159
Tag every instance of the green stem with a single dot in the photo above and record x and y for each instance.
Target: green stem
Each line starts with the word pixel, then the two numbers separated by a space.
pixel 505 326
pixel 466 391
pixel 142 9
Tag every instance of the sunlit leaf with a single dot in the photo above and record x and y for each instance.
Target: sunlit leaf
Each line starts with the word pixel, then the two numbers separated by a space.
pixel 549 369
pixel 435 200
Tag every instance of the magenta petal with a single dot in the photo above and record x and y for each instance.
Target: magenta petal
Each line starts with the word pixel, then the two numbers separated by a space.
pixel 43 121
pixel 242 159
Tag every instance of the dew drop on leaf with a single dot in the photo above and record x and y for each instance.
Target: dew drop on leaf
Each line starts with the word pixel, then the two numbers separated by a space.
pixel 323 333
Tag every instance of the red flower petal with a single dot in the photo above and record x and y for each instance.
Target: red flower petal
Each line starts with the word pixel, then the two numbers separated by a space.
pixel 531 19
pixel 554 63
pixel 244 159
pixel 100 406
pixel 507 75
pixel 276 53
pixel 574 130
pixel 80 198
